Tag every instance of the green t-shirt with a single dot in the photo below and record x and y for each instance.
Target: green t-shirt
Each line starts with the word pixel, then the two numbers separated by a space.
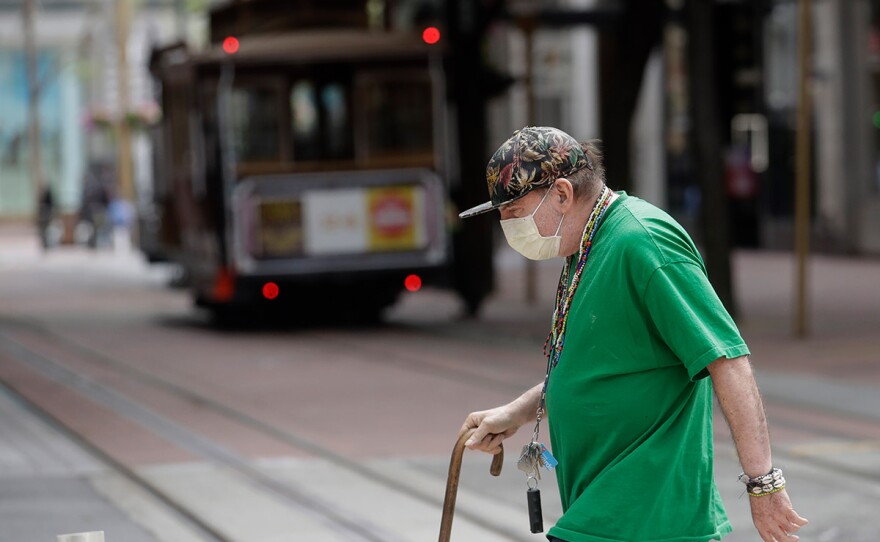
pixel 629 407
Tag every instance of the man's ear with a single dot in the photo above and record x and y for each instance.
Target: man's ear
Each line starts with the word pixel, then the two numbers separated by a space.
pixel 563 191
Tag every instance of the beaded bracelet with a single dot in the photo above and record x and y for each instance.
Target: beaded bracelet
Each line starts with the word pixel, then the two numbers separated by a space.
pixel 761 486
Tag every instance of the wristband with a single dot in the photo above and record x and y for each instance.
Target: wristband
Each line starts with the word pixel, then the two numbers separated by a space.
pixel 763 485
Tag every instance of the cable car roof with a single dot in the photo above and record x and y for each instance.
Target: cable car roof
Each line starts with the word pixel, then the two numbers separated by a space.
pixel 315 46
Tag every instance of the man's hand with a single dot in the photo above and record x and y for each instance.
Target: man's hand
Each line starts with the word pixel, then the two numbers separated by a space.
pixel 775 519
pixel 492 427
pixel 741 403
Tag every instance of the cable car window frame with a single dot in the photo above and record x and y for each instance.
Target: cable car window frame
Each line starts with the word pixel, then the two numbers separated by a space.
pixel 374 77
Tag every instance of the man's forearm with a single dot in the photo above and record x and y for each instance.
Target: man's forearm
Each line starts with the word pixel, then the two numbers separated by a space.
pixel 742 407
pixel 525 407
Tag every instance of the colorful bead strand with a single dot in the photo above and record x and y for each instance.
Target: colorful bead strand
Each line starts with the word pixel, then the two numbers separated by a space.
pixel 565 294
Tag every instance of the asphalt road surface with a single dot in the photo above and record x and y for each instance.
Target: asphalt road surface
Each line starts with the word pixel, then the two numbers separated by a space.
pixel 122 409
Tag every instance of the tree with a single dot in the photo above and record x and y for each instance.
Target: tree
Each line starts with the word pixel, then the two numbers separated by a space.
pixel 30 47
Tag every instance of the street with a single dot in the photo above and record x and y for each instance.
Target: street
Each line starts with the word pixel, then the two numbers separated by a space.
pixel 122 409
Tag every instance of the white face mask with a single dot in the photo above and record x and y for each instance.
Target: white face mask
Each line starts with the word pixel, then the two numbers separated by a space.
pixel 523 236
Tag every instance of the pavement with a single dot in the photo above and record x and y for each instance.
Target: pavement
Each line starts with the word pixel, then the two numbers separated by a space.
pixel 50 484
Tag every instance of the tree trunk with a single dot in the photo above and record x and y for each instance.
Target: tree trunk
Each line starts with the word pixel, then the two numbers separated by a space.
pixel 707 151
pixel 30 46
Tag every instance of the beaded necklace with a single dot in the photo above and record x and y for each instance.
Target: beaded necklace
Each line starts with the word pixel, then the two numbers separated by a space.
pixel 565 294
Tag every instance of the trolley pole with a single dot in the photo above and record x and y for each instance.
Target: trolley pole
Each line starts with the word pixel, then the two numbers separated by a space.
pixel 802 172
pixel 122 15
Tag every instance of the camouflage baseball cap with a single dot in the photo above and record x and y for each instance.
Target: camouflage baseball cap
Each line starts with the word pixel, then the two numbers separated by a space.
pixel 533 157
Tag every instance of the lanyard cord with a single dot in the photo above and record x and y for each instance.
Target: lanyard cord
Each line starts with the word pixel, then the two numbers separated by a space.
pixel 564 296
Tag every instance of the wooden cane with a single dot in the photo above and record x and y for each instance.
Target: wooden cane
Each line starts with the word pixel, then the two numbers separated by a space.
pixel 452 481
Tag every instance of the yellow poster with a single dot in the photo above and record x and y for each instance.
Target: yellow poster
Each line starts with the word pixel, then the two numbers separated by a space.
pixel 395 217
pixel 281 231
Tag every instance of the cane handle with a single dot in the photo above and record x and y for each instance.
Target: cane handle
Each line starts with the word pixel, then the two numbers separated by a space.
pixel 452 480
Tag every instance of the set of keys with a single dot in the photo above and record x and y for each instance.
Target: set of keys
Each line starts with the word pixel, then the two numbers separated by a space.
pixel 535 455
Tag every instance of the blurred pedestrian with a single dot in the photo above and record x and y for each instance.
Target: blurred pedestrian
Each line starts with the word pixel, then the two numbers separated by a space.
pixel 636 330
pixel 45 216
pixel 94 226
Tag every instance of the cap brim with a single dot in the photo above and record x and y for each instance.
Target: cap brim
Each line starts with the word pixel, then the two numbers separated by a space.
pixel 478 210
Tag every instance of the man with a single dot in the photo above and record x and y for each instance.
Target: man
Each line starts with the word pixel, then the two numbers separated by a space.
pixel 636 329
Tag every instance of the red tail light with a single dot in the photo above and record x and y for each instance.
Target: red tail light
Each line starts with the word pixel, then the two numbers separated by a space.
pixel 431 35
pixel 413 283
pixel 224 285
pixel 271 290
pixel 230 45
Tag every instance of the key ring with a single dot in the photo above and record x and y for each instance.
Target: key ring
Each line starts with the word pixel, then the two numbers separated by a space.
pixel 532 480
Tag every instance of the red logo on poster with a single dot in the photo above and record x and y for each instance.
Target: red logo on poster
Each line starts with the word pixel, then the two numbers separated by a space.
pixel 392 215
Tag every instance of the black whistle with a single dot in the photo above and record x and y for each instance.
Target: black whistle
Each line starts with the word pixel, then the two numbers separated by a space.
pixel 536 519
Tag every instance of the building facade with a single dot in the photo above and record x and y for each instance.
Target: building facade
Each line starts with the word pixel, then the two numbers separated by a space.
pixel 756 45
pixel 76 48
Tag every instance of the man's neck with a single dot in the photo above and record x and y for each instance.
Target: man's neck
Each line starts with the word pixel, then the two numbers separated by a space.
pixel 578 223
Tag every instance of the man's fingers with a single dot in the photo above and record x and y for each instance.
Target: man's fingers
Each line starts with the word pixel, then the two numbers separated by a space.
pixel 486 442
pixel 494 443
pixel 478 436
pixel 791 527
pixel 780 535
pixel 793 517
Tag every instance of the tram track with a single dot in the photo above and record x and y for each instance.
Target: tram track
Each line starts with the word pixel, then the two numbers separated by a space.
pixel 203 447
pixel 206 531
pixel 370 351
pixel 385 354
pixel 352 527
pixel 841 422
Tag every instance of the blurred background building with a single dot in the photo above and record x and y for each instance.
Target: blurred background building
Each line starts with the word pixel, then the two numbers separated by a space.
pixel 757 82
pixel 755 78
pixel 79 99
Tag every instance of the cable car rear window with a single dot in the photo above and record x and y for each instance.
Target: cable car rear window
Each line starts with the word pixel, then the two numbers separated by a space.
pixel 373 115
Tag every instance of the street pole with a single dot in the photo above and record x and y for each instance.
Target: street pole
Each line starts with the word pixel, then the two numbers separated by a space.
pixel 802 171
pixel 122 12
pixel 30 47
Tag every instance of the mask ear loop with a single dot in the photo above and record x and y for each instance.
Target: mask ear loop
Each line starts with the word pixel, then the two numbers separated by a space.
pixel 541 203
pixel 559 227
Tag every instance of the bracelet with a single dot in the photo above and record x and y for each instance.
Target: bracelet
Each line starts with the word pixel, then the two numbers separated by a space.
pixel 763 485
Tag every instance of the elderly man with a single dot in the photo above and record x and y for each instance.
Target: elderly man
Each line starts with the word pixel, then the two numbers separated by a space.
pixel 636 330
